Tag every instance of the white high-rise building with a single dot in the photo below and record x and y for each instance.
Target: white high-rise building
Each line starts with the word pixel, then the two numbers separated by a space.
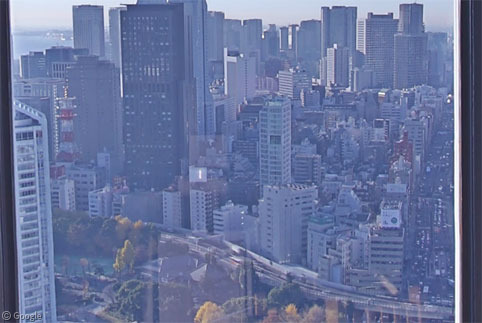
pixel 292 82
pixel 100 202
pixel 239 76
pixel 35 249
pixel 63 193
pixel 89 28
pixel 275 142
pixel 284 212
pixel 228 221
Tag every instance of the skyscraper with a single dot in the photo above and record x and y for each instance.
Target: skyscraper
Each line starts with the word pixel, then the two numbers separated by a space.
pixel 215 33
pixel 294 39
pixel 377 43
pixel 271 43
pixel 309 40
pixel 284 212
pixel 239 76
pixel 155 72
pixel 284 38
pixel 337 66
pixel 35 250
pixel 338 26
pixel 33 65
pixel 275 142
pixel 89 28
pixel 411 56
pixel 95 86
pixel 195 12
pixel 115 35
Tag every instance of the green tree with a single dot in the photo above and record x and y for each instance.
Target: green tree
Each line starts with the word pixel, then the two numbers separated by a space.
pixel 284 295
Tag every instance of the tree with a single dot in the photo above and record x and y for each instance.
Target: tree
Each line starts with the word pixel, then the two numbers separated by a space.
pixel 291 313
pixel 208 312
pixel 284 295
pixel 128 254
pixel 119 263
pixel 314 315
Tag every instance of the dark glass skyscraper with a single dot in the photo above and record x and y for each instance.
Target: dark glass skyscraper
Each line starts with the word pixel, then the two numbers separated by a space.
pixel 95 86
pixel 338 26
pixel 154 69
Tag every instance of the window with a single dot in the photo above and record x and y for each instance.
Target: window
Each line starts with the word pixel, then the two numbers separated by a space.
pixel 137 200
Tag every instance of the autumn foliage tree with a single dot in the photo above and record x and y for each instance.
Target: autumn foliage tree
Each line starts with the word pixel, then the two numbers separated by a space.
pixel 208 312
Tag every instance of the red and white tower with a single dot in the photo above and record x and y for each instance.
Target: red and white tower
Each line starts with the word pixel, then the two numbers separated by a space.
pixel 67 150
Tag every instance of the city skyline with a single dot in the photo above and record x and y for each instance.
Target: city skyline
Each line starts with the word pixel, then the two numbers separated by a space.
pixel 58 13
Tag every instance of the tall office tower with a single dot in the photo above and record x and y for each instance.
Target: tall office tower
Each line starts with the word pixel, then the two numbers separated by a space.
pixel 252 36
pixel 195 12
pixel 437 46
pixel 275 142
pixel 284 212
pixel 239 76
pixel 337 66
pixel 89 28
pixel 309 40
pixel 294 39
pixel 411 56
pixel 271 43
pixel 35 249
pixel 377 43
pixel 232 34
pixel 411 19
pixel 156 91
pixel 284 38
pixel 338 26
pixel 95 84
pixel 59 58
pixel 115 35
pixel 32 65
pixel 215 34
pixel 292 82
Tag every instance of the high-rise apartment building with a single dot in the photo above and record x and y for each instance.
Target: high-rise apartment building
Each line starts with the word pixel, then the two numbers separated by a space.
pixel 377 43
pixel 410 48
pixel 155 89
pixel 338 26
pixel 89 28
pixel 284 212
pixel 275 142
pixel 35 249
pixel 95 85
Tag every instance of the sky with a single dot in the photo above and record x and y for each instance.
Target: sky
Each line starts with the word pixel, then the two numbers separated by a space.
pixel 43 14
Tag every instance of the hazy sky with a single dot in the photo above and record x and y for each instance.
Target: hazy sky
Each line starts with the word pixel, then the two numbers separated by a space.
pixel 58 13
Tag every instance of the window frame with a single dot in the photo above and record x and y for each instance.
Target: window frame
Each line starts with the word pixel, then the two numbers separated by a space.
pixel 467 161
pixel 8 263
